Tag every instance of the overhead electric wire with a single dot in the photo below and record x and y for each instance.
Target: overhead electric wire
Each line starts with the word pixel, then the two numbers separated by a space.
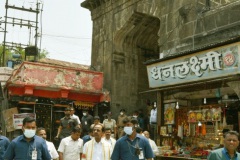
pixel 64 36
pixel 69 42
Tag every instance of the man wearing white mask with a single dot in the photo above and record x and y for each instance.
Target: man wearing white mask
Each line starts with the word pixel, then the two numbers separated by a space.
pixel 28 146
pixel 87 121
pixel 132 146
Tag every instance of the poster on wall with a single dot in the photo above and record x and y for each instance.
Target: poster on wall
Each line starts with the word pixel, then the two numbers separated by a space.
pixel 169 113
pixel 18 119
pixel 169 129
pixel 163 130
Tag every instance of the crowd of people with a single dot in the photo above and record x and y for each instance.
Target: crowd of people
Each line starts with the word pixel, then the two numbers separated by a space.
pixel 89 139
pixel 86 138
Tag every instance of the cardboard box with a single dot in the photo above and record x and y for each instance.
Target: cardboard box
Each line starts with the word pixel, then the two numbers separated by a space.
pixel 8 118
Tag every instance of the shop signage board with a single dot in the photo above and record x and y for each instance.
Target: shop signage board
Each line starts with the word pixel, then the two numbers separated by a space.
pixel 215 63
pixel 18 119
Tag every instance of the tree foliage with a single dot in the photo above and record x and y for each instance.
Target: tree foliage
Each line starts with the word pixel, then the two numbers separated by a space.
pixel 18 53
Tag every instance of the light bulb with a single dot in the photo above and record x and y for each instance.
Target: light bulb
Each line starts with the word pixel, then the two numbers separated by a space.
pixel 199 123
pixel 177 106
pixel 205 100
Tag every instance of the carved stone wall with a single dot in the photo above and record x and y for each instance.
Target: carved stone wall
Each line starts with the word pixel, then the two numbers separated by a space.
pixel 127 33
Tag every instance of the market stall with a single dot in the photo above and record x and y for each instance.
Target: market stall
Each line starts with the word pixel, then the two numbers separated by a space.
pixel 198 94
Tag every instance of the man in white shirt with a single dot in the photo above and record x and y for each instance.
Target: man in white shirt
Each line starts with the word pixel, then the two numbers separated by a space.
pixel 108 137
pixel 153 121
pixel 73 116
pixel 97 148
pixel 41 132
pixel 71 147
pixel 152 143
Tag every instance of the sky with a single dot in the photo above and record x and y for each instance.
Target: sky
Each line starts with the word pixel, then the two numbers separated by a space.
pixel 65 26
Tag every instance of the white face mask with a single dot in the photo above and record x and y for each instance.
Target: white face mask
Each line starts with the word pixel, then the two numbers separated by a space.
pixel 135 116
pixel 121 113
pixel 29 133
pixel 128 130
pixel 84 114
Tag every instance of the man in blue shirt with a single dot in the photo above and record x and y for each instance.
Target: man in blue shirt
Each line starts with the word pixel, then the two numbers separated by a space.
pixel 88 137
pixel 132 146
pixel 27 146
pixel 4 142
pixel 228 152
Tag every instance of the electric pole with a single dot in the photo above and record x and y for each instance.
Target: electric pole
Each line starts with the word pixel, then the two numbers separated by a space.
pixel 19 22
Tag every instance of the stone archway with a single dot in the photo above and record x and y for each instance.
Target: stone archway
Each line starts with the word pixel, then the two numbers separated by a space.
pixel 135 42
pixel 141 30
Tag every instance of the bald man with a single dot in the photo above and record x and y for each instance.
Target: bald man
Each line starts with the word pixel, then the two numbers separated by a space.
pixel 152 143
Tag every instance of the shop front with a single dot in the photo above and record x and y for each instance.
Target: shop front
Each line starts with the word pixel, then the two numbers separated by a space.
pixel 198 99
pixel 47 89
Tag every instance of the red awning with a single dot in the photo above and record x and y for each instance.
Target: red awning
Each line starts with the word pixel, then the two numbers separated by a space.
pixel 54 81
